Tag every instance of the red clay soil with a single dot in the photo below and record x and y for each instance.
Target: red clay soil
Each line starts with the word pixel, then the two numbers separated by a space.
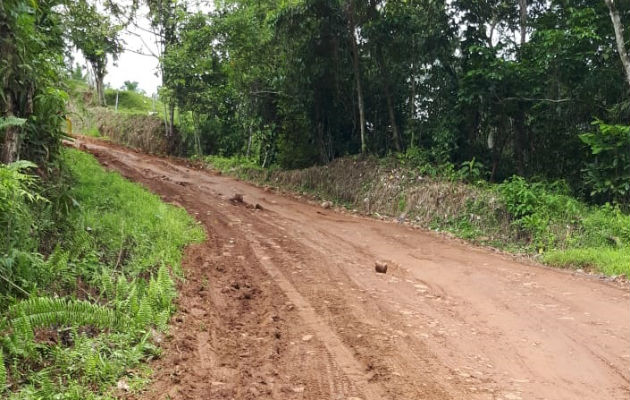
pixel 283 303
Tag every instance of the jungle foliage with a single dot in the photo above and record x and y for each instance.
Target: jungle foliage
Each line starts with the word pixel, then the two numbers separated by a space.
pixel 511 86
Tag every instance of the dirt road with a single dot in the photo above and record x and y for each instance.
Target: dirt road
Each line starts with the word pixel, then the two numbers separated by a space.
pixel 284 303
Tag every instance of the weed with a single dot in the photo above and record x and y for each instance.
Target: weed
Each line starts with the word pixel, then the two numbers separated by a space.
pixel 610 261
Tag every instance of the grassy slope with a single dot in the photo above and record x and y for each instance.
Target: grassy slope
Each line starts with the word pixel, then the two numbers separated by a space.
pixel 132 102
pixel 520 217
pixel 135 124
pixel 117 249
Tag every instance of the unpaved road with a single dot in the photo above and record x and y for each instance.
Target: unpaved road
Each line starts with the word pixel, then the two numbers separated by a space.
pixel 284 303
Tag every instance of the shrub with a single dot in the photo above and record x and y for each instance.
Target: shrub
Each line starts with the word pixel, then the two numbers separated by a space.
pixel 608 175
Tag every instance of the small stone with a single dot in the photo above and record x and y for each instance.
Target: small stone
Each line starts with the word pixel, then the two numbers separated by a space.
pixel 298 389
pixel 157 337
pixel 237 198
pixel 307 338
pixel 122 385
pixel 327 204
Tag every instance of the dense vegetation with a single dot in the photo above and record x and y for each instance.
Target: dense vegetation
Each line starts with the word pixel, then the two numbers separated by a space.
pixel 86 279
pixel 88 261
pixel 533 88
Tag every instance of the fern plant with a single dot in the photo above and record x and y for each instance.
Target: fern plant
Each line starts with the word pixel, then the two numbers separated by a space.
pixel 46 311
pixel 155 306
pixel 3 373
pixel 144 317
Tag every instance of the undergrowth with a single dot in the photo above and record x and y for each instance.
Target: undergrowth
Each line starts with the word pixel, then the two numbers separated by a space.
pixel 87 281
pixel 536 218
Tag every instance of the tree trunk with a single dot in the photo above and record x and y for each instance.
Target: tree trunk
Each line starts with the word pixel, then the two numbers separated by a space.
pixel 389 100
pixel 520 143
pixel 321 141
pixel 165 122
pixel 99 77
pixel 171 122
pixel 11 143
pixel 523 20
pixel 173 141
pixel 621 48
pixel 356 69
pixel 11 139
pixel 249 140
pixel 392 116
pixel 520 140
pixel 380 60
pixel 412 102
pixel 195 118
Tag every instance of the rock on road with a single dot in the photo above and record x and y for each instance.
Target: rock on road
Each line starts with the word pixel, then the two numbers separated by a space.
pixel 283 303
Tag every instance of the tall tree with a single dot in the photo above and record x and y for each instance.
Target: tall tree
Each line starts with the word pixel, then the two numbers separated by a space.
pixel 374 15
pixel 356 66
pixel 97 36
pixel 619 37
pixel 30 67
pixel 165 17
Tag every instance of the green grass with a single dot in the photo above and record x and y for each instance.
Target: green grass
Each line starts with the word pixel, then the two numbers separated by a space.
pixel 609 261
pixel 123 215
pixel 132 102
pixel 231 164
pixel 93 132
pixel 120 247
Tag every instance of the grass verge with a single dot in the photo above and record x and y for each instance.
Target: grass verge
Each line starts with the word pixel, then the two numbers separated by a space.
pixel 96 293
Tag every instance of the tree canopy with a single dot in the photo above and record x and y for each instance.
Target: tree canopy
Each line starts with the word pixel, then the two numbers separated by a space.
pixel 510 84
pixel 513 85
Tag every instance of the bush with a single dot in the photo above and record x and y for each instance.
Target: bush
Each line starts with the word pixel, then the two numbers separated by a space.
pixel 610 261
pixel 608 175
pixel 17 194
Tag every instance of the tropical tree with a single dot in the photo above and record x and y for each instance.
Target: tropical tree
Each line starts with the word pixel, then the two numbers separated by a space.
pixel 96 35
pixel 619 37
pixel 31 105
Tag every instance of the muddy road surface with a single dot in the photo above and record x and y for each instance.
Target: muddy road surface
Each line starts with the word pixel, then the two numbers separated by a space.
pixel 282 302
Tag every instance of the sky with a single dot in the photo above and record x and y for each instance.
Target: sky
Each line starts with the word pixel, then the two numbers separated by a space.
pixel 131 66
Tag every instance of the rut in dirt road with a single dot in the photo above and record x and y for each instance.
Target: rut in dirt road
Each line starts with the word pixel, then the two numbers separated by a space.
pixel 283 303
